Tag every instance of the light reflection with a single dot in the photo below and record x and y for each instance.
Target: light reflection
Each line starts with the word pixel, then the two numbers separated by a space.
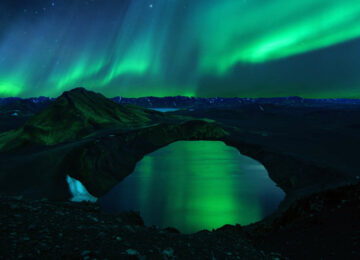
pixel 196 185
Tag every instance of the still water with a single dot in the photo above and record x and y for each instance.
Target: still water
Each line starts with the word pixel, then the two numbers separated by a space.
pixel 164 109
pixel 196 185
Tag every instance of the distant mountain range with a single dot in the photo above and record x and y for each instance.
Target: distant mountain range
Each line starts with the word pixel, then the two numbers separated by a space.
pixel 183 102
pixel 16 111
pixel 192 102
pixel 35 100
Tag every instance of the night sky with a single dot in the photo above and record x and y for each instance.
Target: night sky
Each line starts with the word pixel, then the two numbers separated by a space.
pixel 133 48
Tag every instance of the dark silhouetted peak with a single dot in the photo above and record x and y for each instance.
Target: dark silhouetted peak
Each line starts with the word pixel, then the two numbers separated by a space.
pixel 77 90
pixel 82 95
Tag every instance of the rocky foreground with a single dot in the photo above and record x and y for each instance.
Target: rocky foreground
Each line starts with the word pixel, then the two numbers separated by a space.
pixel 323 226
pixel 67 230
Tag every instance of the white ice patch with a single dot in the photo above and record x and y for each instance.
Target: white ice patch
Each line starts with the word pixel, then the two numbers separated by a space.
pixel 78 191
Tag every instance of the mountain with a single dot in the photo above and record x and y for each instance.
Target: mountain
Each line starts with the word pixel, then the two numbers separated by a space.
pixel 30 106
pixel 90 138
pixel 196 103
pixel 75 114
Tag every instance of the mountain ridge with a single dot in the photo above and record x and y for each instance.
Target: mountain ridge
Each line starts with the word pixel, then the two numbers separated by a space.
pixel 196 102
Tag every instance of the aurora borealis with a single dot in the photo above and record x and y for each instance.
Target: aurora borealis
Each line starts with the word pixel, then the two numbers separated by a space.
pixel 202 48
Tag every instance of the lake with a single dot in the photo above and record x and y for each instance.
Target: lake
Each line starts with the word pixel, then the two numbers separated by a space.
pixel 196 185
pixel 164 110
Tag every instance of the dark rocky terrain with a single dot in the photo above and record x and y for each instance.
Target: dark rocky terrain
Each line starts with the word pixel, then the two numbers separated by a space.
pixel 309 148
pixel 66 230
pixel 325 225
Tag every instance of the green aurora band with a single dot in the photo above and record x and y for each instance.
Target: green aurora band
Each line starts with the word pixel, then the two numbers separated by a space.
pixel 132 49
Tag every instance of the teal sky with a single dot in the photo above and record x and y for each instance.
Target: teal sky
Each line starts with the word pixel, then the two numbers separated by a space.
pixel 133 48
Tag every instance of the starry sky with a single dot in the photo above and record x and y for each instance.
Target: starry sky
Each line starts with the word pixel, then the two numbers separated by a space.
pixel 207 48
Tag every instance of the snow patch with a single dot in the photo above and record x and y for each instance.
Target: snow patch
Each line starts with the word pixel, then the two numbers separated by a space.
pixel 78 191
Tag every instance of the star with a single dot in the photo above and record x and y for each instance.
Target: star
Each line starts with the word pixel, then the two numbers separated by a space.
pixel 151 6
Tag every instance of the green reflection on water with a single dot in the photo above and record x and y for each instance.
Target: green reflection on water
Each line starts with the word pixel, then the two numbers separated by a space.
pixel 196 185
